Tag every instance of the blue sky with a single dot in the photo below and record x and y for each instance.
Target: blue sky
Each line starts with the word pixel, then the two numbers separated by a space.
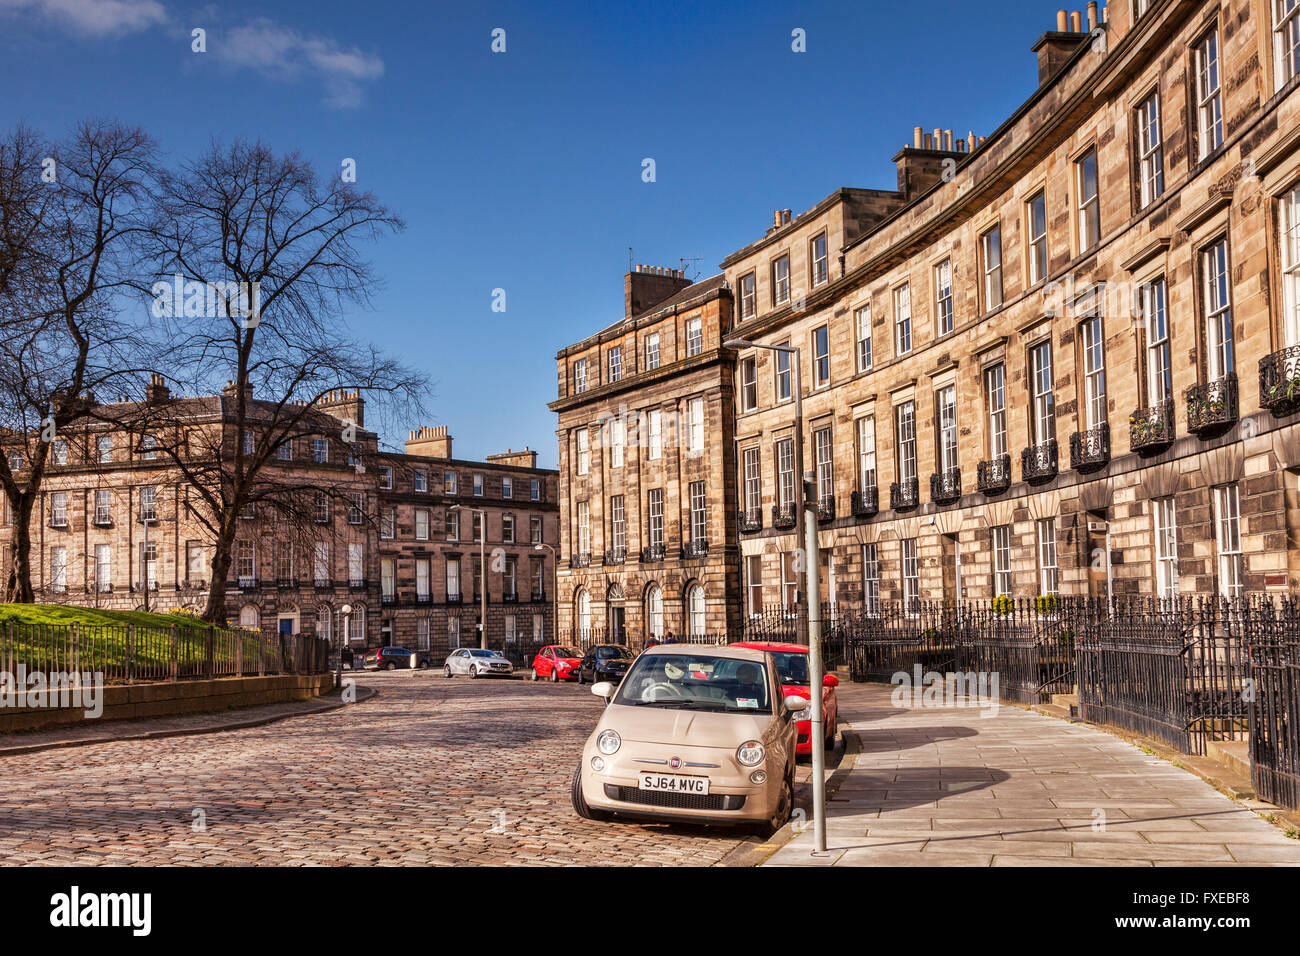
pixel 522 170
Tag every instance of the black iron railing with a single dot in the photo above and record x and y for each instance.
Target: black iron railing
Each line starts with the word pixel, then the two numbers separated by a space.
pixel 1038 463
pixel 1279 381
pixel 1090 449
pixel 1212 406
pixel 1151 427
pixel 357 584
pixel 695 549
pixel 865 503
pixel 945 486
pixel 749 520
pixel 904 494
pixel 322 583
pixel 783 517
pixel 826 508
pixel 615 556
pixel 653 553
pixel 993 477
pixel 580 560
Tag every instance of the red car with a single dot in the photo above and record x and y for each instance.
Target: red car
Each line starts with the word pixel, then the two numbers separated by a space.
pixel 556 662
pixel 792 665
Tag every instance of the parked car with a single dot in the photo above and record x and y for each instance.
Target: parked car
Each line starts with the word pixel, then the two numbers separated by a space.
pixel 696 734
pixel 555 662
pixel 605 662
pixel 792 665
pixel 392 658
pixel 476 662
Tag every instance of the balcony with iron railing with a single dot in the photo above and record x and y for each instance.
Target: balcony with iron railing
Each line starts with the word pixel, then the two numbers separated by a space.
pixel 246 582
pixel 510 597
pixel 388 599
pixel 1151 427
pixel 749 520
pixel 695 549
pixel 654 553
pixel 357 584
pixel 993 476
pixel 322 584
pixel 1212 407
pixel 905 494
pixel 1038 463
pixel 783 517
pixel 425 598
pixel 1279 381
pixel 615 556
pixel 580 560
pixel 1090 449
pixel 865 503
pixel 826 508
pixel 453 597
pixel 286 584
pixel 945 486
pixel 538 596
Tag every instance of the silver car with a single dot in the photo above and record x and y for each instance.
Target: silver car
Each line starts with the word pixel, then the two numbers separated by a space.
pixel 475 662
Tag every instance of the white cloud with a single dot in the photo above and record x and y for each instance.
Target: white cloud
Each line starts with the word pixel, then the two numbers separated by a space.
pixel 281 52
pixel 94 17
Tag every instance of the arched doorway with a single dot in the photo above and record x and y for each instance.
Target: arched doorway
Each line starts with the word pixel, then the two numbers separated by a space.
pixel 250 618
pixel 654 612
pixel 287 619
pixel 615 615
pixel 695 618
pixel 582 604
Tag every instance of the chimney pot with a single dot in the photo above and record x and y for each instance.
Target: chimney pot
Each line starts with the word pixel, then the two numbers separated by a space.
pixel 1062 21
pixel 1075 24
pixel 1092 15
pixel 947 140
pixel 927 142
pixel 918 136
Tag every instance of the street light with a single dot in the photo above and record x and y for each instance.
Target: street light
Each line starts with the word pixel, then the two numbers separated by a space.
pixel 346 611
pixel 482 570
pixel 555 582
pixel 806 521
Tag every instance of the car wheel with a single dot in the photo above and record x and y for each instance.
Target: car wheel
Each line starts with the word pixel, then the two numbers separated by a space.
pixel 424 665
pixel 783 808
pixel 391 666
pixel 473 672
pixel 580 806
pixel 581 679
pixel 555 675
pixel 534 674
pixel 446 672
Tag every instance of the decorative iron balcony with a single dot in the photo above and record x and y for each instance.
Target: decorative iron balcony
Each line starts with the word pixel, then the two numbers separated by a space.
pixel 388 599
pixel 246 582
pixel 695 549
pixel 198 585
pixel 510 598
pixel 905 494
pixel 286 583
pixel 615 556
pixel 945 486
pixel 783 517
pixel 453 597
pixel 357 584
pixel 994 476
pixel 1213 405
pixel 580 560
pixel 323 583
pixel 1038 462
pixel 424 599
pixel 1090 450
pixel 865 503
pixel 826 508
pixel 652 554
pixel 537 597
pixel 1279 381
pixel 750 520
pixel 1151 427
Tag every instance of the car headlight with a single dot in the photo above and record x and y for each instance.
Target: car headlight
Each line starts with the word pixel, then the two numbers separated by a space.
pixel 750 753
pixel 608 742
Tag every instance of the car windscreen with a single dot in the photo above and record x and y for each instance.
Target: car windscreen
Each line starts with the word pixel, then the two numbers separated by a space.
pixel 485 654
pixel 567 652
pixel 792 666
pixel 697 682
pixel 612 653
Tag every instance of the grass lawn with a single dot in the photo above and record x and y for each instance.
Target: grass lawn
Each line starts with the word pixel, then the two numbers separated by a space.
pixel 63 614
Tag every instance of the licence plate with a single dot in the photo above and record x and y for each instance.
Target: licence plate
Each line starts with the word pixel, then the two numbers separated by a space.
pixel 673 784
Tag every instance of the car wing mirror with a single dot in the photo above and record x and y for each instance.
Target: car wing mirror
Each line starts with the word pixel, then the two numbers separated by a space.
pixel 604 689
pixel 795 703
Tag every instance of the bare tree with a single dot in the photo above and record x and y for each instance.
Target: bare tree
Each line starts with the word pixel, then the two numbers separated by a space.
pixel 70 214
pixel 256 260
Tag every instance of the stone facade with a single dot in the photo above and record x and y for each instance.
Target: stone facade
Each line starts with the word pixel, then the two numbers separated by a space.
pixel 1023 295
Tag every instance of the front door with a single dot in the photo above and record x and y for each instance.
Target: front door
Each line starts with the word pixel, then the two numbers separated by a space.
pixel 286 625
pixel 616 622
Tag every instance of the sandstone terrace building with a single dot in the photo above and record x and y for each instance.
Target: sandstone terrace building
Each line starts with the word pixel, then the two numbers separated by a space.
pixel 1058 359
pixel 381 536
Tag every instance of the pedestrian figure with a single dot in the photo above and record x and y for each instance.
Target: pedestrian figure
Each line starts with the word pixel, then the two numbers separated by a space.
pixel 669 638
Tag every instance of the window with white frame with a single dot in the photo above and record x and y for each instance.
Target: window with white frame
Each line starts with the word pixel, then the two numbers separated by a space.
pixel 246 564
pixel 580 376
pixel 320 450
pixel 785 472
pixel 250 443
pixel 507 487
pixel 902 320
pixel 821 342
pixel 357 508
pixel 615 359
pixel 324 622
pixel 783 374
pixel 789 579
pixel 103 508
pixel 478 486
pixel 748 384
pixel 322 569
pixel 871 579
pixel 1048 575
pixel 781 281
pixel 1219 358
pixel 1092 343
pixel 149 564
pixel 617 441
pixel 1209 96
pixel 451 525
pixel 386 477
pixel 699 515
pixel 654 601
pixel 103 449
pixel 905 441
pixel 356 562
pixel 694 336
pixel 284 450
pixel 534 490
pixel 946 406
pixel 196 562
pixel 59 452
pixel 943 309
pixel 1043 419
pixel 746 299
pixel 863 321
pixel 991 265
pixel 752 482
pixel 995 397
pixel 695 610
pixel 655 438
pixel 584 451
pixel 1159 374
pixel 103 568
pixel 1087 200
pixel 1289 223
pixel 695 419
pixel 584 527
pixel 1286 41
pixel 866 428
pixel 652 351
pixel 422 634
pixel 911 576
pixel 618 524
pixel 420 480
pixel 450 483
pixel 535 529
pixel 148 504
pixel 820 272
pixel 59 569
pixel 1150 152
pixel 754 584
pixel 584 612
pixel 59 509
pixel 149 447
pixel 825 467
pixel 421 524
pixel 1002 560
pixel 1227 529
pixel 453 632
pixel 655 517
pixel 1166 533
pixel 453 578
pixel 1036 227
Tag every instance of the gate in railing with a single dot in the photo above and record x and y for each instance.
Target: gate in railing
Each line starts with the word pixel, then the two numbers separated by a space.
pixel 1274 711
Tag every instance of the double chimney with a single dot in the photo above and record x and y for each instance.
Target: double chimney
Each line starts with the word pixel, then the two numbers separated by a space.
pixel 647 286
pixel 1055 47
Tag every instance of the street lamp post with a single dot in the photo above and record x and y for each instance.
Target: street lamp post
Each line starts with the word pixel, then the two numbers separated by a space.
pixel 482 571
pixel 806 525
pixel 555 584
pixel 346 611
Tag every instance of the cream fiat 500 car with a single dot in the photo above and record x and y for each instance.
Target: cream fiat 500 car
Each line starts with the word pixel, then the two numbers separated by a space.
pixel 692 734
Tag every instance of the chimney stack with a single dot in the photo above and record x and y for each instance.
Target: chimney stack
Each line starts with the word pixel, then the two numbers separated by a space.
pixel 157 392
pixel 650 285
pixel 430 442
